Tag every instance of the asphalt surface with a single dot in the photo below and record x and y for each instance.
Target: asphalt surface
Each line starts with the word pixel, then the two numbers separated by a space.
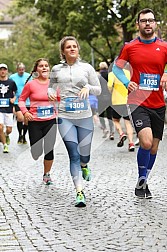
pixel 35 217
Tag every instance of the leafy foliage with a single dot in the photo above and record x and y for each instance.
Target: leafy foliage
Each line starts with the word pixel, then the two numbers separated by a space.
pixel 101 26
pixel 28 41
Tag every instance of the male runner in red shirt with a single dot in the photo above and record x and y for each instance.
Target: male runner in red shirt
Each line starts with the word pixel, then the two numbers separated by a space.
pixel 147 56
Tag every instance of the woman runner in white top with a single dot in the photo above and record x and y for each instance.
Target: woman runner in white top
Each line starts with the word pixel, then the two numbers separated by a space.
pixel 71 82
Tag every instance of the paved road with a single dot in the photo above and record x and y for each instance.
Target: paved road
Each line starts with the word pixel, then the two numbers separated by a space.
pixel 35 217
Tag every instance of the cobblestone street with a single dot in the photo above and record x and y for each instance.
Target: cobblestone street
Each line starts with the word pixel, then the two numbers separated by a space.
pixel 35 217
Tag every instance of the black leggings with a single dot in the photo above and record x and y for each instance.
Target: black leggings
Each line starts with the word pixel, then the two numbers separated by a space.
pixel 42 135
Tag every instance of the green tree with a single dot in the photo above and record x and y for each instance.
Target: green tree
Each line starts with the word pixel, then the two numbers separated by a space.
pixel 90 21
pixel 28 41
pixel 128 10
pixel 103 24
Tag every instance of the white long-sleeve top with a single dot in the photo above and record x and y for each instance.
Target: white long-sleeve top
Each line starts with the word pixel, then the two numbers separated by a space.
pixel 70 80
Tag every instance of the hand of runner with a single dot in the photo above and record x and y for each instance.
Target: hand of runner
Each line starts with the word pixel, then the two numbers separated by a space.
pixel 52 97
pixel 163 81
pixel 12 100
pixel 84 93
pixel 132 86
pixel 28 116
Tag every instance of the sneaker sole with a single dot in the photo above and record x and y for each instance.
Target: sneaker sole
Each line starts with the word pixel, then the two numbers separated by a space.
pixel 140 196
pixel 149 196
pixel 87 178
pixel 48 183
pixel 121 142
pixel 148 193
pixel 132 150
pixel 80 204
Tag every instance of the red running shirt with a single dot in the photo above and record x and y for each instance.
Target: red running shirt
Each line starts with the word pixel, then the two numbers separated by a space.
pixel 148 59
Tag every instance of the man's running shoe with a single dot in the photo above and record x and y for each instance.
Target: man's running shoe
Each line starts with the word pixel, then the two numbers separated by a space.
pixel 47 179
pixel 80 199
pixel 24 140
pixel 148 193
pixel 5 149
pixel 7 140
pixel 140 189
pixel 131 147
pixel 123 137
pixel 20 139
pixel 140 193
pixel 86 173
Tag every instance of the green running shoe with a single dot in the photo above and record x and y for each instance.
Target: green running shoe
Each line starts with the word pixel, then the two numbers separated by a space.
pixel 5 149
pixel 86 173
pixel 47 179
pixel 7 140
pixel 80 199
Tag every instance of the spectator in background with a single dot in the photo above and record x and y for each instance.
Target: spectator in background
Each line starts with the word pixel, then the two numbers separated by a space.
pixel 20 78
pixel 8 90
pixel 94 107
pixel 119 100
pixel 104 102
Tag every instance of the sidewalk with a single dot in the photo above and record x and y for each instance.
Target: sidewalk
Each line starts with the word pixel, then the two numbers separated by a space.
pixel 35 217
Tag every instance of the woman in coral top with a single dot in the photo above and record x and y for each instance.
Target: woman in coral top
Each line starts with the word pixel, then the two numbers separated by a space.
pixel 41 117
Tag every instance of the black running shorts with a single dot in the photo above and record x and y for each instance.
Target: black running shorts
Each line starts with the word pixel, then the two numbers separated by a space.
pixel 143 117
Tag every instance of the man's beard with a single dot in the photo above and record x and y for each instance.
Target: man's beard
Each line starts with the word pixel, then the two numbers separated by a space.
pixel 147 35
